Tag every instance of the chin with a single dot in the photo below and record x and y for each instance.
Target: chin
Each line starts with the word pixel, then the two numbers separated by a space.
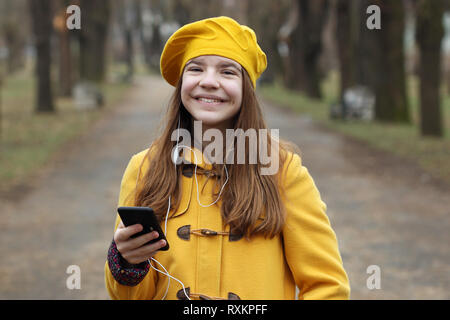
pixel 210 123
pixel 210 120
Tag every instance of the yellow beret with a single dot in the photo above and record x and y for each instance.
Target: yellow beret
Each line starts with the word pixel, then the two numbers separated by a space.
pixel 220 36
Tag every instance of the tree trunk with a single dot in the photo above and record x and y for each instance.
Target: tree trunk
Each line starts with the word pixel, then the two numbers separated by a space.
pixel 64 48
pixel 93 36
pixel 306 46
pixel 129 25
pixel 141 26
pixel 65 65
pixel 390 88
pixel 266 18
pixel 128 35
pixel 181 12
pixel 380 61
pixel 156 46
pixel 42 28
pixel 429 36
pixel 367 50
pixel 345 44
pixel 15 45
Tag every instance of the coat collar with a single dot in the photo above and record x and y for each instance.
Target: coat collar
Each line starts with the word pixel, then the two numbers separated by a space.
pixel 195 156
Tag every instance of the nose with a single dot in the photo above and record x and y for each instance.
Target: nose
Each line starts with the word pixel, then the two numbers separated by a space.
pixel 209 79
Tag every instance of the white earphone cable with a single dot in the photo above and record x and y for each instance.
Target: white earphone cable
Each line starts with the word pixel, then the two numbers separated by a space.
pixel 176 154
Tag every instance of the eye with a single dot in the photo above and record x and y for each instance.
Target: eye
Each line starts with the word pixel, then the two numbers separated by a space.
pixel 229 72
pixel 194 69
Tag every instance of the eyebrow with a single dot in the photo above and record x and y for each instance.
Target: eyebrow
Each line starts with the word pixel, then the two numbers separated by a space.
pixel 221 64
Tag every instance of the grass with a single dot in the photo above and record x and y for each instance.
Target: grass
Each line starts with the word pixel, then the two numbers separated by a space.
pixel 28 140
pixel 432 154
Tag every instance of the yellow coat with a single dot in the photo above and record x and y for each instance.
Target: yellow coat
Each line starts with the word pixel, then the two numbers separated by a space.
pixel 305 255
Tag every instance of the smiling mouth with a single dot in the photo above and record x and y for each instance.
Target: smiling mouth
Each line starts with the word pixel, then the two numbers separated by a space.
pixel 209 100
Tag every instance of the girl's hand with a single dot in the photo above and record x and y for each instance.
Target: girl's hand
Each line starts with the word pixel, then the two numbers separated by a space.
pixel 133 249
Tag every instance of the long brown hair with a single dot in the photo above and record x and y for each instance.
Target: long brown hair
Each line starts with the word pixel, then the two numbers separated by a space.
pixel 251 202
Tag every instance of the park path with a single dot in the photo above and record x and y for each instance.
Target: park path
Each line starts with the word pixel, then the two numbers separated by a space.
pixel 384 211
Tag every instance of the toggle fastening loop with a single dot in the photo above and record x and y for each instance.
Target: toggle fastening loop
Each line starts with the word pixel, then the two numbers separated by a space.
pixel 199 296
pixel 185 232
pixel 207 232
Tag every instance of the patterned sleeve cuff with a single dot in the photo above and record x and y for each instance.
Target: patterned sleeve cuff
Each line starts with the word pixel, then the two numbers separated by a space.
pixel 125 273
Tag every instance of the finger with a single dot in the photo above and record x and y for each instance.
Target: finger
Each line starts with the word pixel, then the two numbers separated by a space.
pixel 144 253
pixel 138 242
pixel 124 234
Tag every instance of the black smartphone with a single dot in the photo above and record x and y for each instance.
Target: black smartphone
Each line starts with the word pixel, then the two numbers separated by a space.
pixel 146 217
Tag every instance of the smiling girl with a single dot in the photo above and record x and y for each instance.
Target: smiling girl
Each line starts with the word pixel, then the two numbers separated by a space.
pixel 233 232
pixel 212 90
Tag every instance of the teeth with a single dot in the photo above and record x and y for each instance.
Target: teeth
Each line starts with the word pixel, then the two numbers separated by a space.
pixel 209 100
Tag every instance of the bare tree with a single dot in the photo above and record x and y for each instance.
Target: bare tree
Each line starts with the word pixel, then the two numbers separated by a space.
pixel 180 11
pixel 345 35
pixel 429 37
pixel 128 18
pixel 380 58
pixel 266 18
pixel 65 63
pixel 391 102
pixel 41 17
pixel 305 47
pixel 93 37
pixel 14 28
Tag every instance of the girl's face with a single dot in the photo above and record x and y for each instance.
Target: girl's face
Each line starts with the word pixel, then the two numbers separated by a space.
pixel 211 90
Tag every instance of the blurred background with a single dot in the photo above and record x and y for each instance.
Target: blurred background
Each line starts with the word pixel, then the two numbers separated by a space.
pixel 389 86
pixel 377 72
